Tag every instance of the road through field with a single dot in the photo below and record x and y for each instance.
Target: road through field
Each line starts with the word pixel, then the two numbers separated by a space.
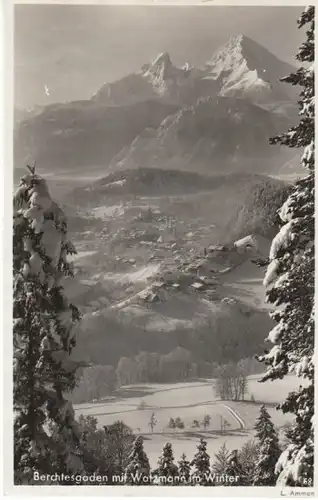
pixel 131 411
pixel 236 416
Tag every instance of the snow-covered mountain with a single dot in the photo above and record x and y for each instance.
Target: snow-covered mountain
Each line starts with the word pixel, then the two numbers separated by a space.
pixel 169 116
pixel 161 74
pixel 240 68
pixel 159 79
pixel 244 68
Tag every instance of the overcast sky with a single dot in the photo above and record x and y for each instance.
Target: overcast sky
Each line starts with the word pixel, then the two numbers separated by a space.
pixel 75 49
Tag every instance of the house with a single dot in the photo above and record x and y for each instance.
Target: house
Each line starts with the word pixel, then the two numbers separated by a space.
pixel 216 248
pixel 229 300
pixel 198 286
pixel 208 281
pixel 246 244
pixel 226 270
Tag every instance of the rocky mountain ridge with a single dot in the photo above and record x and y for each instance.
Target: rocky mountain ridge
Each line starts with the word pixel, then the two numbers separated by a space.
pixel 216 134
pixel 240 68
pixel 157 117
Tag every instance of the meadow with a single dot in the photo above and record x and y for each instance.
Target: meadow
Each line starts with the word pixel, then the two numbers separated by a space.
pixel 135 404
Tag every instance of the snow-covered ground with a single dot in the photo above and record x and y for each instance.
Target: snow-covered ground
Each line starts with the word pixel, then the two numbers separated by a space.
pixel 109 211
pixel 143 273
pixel 134 276
pixel 167 324
pixel 191 401
pixel 245 283
pixel 81 255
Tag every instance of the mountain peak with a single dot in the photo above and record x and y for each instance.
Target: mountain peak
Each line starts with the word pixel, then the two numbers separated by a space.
pixel 239 43
pixel 236 39
pixel 244 67
pixel 160 67
pixel 162 58
pixel 164 77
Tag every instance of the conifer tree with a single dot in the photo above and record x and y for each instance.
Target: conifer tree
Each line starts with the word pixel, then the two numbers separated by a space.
pixel 222 457
pixel 234 469
pixel 46 437
pixel 268 452
pixel 201 464
pixel 167 468
pixel 290 279
pixel 138 468
pixel 184 468
pixel 248 456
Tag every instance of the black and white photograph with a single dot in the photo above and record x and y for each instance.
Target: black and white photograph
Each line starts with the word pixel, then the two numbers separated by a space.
pixel 163 249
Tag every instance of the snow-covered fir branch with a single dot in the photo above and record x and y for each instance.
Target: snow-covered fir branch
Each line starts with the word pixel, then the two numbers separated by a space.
pixel 290 279
pixel 46 436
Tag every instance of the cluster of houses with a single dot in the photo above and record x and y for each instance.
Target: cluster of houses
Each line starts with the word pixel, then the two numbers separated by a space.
pixel 201 274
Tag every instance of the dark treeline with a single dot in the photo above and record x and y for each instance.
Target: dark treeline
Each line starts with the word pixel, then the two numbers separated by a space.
pixel 231 335
pixel 100 381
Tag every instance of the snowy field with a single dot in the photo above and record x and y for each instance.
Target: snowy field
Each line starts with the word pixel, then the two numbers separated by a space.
pixel 109 211
pixel 81 255
pixel 138 275
pixel 190 401
pixel 245 283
